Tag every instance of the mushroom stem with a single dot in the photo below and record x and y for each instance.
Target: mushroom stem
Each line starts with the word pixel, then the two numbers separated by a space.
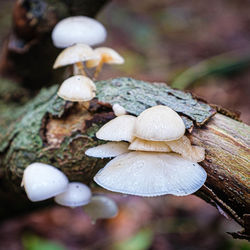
pixel 81 68
pixel 98 68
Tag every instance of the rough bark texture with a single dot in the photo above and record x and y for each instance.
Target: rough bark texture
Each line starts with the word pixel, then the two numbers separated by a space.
pixel 50 130
pixel 29 48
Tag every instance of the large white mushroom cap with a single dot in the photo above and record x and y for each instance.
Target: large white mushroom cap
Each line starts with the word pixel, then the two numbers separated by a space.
pixel 108 150
pixel 42 181
pixel 77 194
pixel 78 29
pixel 159 123
pixel 151 174
pixel 77 89
pixel 101 207
pixel 120 128
pixel 76 53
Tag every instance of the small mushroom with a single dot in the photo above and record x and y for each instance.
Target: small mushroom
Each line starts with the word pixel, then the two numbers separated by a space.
pixel 143 145
pixel 119 110
pixel 151 174
pixel 78 29
pixel 108 150
pixel 42 181
pixel 75 55
pixel 159 123
pixel 101 207
pixel 183 146
pixel 77 89
pixel 107 55
pixel 77 194
pixel 120 128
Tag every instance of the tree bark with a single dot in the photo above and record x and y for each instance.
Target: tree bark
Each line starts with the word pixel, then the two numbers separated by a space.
pixel 28 53
pixel 48 129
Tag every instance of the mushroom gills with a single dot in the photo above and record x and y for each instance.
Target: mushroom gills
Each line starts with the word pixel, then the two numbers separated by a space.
pixel 151 174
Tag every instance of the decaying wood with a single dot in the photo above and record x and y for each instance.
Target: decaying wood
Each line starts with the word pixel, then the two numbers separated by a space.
pixel 29 48
pixel 50 130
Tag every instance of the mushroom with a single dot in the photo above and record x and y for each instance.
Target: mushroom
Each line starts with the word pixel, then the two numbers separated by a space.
pixel 78 29
pixel 42 181
pixel 120 128
pixel 77 194
pixel 108 150
pixel 101 207
pixel 77 89
pixel 151 174
pixel 107 55
pixel 119 110
pixel 143 145
pixel 183 146
pixel 159 123
pixel 75 54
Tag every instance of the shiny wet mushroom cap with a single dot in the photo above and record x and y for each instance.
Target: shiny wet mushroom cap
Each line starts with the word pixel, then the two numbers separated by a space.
pixel 77 194
pixel 77 89
pixel 151 174
pixel 74 54
pixel 159 123
pixel 108 150
pixel 42 181
pixel 78 29
pixel 120 128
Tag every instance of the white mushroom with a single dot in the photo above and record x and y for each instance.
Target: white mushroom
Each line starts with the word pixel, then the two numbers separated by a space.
pixel 75 54
pixel 108 150
pixel 101 207
pixel 143 145
pixel 151 174
pixel 159 123
pixel 42 181
pixel 77 89
pixel 77 194
pixel 107 55
pixel 78 29
pixel 120 128
pixel 118 109
pixel 183 146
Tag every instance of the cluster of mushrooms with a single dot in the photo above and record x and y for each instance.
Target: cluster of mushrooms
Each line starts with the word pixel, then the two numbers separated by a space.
pixel 152 156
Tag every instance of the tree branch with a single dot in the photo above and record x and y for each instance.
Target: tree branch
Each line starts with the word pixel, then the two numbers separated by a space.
pixel 50 130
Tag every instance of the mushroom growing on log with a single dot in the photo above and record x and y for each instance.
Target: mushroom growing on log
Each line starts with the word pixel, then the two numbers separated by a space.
pixel 50 130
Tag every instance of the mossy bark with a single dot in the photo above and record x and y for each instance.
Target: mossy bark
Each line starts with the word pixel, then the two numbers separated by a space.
pixel 48 129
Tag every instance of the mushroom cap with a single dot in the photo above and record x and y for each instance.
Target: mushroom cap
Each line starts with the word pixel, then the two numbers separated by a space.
pixel 107 55
pixel 42 181
pixel 120 128
pixel 151 174
pixel 183 146
pixel 101 207
pixel 77 194
pixel 143 145
pixel 77 89
pixel 76 53
pixel 159 123
pixel 78 29
pixel 108 150
pixel 118 109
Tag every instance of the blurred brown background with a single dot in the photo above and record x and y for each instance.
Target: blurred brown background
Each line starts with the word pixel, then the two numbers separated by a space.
pixel 159 40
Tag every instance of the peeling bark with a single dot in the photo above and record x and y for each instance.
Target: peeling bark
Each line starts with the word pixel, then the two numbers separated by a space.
pixel 48 129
